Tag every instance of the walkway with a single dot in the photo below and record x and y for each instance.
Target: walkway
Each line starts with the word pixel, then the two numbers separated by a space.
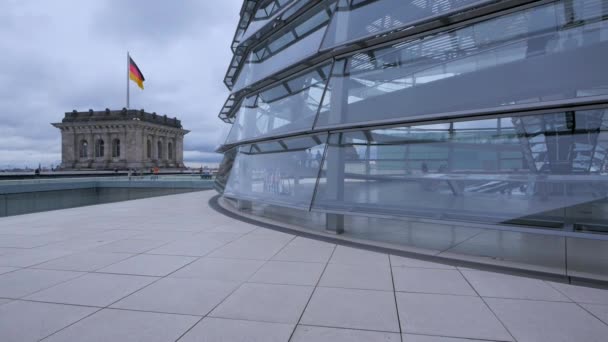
pixel 169 268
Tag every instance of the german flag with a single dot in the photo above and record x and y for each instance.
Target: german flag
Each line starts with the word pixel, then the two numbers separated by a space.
pixel 135 74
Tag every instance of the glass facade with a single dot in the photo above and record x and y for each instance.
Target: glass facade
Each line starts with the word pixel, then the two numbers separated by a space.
pixel 484 140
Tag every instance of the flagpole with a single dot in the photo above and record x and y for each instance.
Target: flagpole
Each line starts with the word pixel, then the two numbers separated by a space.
pixel 128 62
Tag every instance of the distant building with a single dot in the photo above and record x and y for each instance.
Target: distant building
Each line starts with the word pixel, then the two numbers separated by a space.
pixel 123 139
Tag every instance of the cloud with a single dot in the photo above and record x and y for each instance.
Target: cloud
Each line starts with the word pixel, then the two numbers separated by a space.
pixel 62 55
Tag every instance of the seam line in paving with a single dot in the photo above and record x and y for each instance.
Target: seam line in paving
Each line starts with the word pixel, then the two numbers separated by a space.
pixel 235 289
pixel 311 295
pixel 487 305
pixel 578 304
pixel 390 266
pixel 108 306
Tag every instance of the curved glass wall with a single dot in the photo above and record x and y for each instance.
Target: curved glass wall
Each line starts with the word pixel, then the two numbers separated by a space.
pixel 486 141
pixel 519 58
pixel 280 172
pixel 544 171
pixel 269 12
pixel 295 42
pixel 224 169
pixel 357 19
pixel 290 106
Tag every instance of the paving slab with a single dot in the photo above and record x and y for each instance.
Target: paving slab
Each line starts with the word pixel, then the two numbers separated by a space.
pixel 6 269
pixel 133 246
pixel 22 321
pixel 356 256
pixel 304 253
pixel 179 296
pixel 365 276
pixel 354 309
pixel 265 303
pixel 121 325
pixel 289 273
pixel 582 294
pixel 26 281
pixel 531 321
pixel 86 261
pixel 93 289
pixel 231 330
pixel 149 265
pixel 220 269
pixel 600 311
pixel 449 316
pixel 322 334
pixel 492 284
pixel 428 280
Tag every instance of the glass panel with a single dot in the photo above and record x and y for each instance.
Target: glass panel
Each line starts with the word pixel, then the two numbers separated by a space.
pixel 288 107
pixel 546 171
pixel 224 169
pixel 284 176
pixel 292 44
pixel 546 53
pixel 372 18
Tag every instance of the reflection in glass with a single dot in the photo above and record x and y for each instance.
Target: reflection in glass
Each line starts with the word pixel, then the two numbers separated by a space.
pixel 287 107
pixel 547 53
pixel 282 172
pixel 364 18
pixel 224 169
pixel 298 40
pixel 541 170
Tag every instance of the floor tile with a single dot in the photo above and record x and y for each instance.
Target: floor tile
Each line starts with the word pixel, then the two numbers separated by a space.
pixel 582 294
pixel 288 273
pixel 79 244
pixel 428 338
pixel 6 269
pixel 87 261
pixel 399 261
pixel 265 302
pixel 93 289
pixel 365 276
pixel 179 295
pixel 134 246
pixel 191 247
pixel 491 284
pixel 600 311
pixel 220 269
pixel 304 254
pixel 356 256
pixel 122 325
pixel 531 321
pixel 149 265
pixel 23 282
pixel 321 334
pixel 254 248
pixel 448 315
pixel 22 321
pixel 31 257
pixel 356 309
pixel 163 236
pixel 231 330
pixel 427 280
pixel 306 242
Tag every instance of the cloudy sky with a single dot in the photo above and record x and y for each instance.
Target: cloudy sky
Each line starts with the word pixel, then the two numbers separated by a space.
pixel 60 55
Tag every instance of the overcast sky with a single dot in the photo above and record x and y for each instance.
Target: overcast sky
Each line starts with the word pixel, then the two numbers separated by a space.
pixel 60 55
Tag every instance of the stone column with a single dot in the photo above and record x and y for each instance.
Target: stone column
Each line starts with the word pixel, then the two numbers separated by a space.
pixel 91 145
pixel 107 151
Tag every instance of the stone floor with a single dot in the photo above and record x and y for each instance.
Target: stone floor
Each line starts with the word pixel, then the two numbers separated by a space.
pixel 171 268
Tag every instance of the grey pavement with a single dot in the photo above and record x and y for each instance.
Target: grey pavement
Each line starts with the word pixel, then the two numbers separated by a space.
pixel 171 268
